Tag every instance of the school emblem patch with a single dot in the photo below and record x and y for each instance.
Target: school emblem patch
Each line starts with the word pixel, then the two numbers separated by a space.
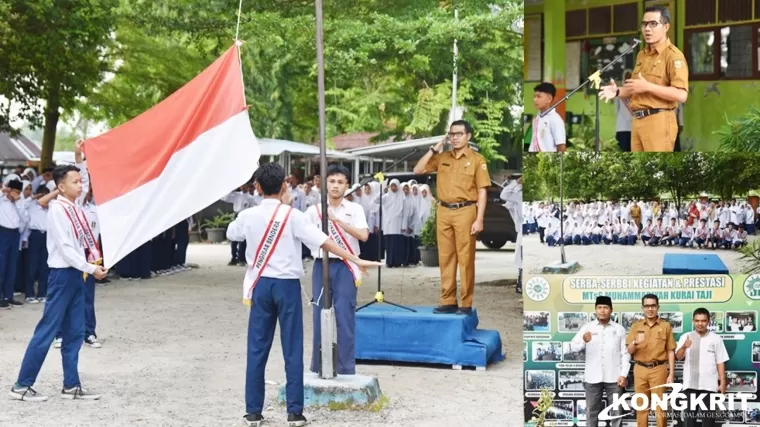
pixel 677 63
pixel 484 167
pixel 752 286
pixel 537 289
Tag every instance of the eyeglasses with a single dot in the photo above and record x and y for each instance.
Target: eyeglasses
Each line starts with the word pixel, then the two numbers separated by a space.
pixel 456 134
pixel 650 24
pixel 650 306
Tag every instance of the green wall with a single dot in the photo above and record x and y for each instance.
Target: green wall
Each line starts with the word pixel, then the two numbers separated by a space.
pixel 704 113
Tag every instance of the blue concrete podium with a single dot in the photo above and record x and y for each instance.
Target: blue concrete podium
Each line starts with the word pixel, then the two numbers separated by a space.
pixel 693 264
pixel 388 333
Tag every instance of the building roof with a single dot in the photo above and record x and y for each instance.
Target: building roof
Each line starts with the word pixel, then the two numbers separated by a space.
pixel 356 140
pixel 17 149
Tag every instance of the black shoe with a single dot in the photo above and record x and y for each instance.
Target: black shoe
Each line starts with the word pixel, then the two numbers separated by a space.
pixel 445 309
pixel 296 420
pixel 15 303
pixel 465 311
pixel 242 263
pixel 253 420
pixel 232 262
pixel 4 305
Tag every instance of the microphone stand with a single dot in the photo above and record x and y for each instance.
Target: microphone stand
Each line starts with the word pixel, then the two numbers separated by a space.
pixel 593 77
pixel 379 295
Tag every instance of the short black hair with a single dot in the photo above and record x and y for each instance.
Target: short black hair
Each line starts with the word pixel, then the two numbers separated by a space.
pixel 701 310
pixel 650 296
pixel 46 170
pixel 338 170
pixel 60 172
pixel 465 123
pixel 546 87
pixel 664 13
pixel 270 177
pixel 43 190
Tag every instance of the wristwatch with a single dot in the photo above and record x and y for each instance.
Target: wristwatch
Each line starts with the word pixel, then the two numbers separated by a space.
pixel 617 94
pixel 433 150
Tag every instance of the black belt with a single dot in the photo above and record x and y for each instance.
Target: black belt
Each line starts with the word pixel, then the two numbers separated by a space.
pixel 457 205
pixel 651 365
pixel 640 114
pixel 39 231
pixel 330 260
pixel 10 230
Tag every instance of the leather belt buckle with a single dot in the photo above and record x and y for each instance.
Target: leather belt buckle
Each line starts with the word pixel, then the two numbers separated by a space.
pixel 640 114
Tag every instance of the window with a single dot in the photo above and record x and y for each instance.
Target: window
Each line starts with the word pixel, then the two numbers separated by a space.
pixel 723 52
pixel 534 48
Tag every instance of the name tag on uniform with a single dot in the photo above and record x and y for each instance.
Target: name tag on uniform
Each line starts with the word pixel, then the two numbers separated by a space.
pixel 446 164
pixel 677 63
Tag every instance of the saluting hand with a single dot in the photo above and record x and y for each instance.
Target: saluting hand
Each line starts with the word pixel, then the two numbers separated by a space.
pixel 638 85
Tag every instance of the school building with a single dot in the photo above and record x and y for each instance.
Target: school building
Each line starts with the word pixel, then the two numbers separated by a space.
pixel 568 40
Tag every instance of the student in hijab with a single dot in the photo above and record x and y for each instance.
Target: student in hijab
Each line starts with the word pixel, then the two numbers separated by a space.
pixel 552 234
pixel 21 276
pixel 607 233
pixel 633 233
pixel 371 203
pixel 411 206
pixel 393 225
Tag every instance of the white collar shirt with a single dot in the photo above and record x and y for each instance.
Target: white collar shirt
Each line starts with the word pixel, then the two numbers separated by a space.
pixel 700 366
pixel 349 212
pixel 607 357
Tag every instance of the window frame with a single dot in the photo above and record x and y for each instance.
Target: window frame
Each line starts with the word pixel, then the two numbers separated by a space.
pixel 543 50
pixel 715 29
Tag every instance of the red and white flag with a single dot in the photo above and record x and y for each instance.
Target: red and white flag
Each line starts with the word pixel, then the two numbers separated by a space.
pixel 174 160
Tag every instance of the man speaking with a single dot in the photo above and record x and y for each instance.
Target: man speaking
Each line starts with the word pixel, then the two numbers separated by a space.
pixel 461 185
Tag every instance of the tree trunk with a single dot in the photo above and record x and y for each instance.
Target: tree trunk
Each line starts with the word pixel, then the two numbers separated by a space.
pixel 52 115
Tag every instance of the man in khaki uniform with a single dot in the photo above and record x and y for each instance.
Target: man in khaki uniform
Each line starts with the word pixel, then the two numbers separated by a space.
pixel 636 214
pixel 651 343
pixel 461 186
pixel 660 82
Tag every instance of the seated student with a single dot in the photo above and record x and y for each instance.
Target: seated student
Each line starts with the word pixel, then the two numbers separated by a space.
pixel 71 254
pixel 552 235
pixel 596 236
pixel 577 232
pixel 633 233
pixel 646 232
pixel 567 233
pixel 588 232
pixel 716 235
pixel 701 234
pixel 687 235
pixel 607 236
pixel 273 290
pixel 625 229
pixel 728 236
pixel 740 239
pixel 657 233
pixel 616 229
pixel 670 236
pixel 549 131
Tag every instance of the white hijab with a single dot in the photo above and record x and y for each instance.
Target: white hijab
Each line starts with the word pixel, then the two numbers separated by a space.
pixel 426 203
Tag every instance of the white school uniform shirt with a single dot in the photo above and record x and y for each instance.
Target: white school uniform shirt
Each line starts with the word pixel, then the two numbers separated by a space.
pixel 63 247
pixel 700 366
pixel 285 261
pixel 239 200
pixel 37 216
pixel 298 198
pixel 623 116
pixel 36 182
pixel 13 215
pixel 548 133
pixel 607 357
pixel 749 217
pixel 687 232
pixel 740 237
pixel 349 212
pixel 554 232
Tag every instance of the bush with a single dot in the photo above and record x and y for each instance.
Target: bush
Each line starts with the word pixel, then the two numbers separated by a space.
pixel 742 134
pixel 429 235
pixel 220 221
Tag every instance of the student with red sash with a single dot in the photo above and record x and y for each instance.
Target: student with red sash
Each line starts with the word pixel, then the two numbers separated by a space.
pixel 72 256
pixel 347 226
pixel 274 232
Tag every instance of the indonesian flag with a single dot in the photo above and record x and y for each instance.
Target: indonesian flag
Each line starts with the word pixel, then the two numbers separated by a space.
pixel 173 160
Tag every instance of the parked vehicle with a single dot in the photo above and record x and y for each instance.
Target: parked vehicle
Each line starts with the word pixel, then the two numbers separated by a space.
pixel 498 227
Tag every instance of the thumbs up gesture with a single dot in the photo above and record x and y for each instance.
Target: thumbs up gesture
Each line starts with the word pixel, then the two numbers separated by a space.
pixel 637 85
pixel 587 337
pixel 687 343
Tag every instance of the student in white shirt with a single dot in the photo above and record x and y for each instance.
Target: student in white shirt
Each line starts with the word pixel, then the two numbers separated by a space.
pixel 728 236
pixel 273 290
pixel 740 238
pixel 36 267
pixel 549 131
pixel 701 234
pixel 70 253
pixel 241 200
pixel 607 359
pixel 348 227
pixel 716 235
pixel 13 218
pixel 704 365
pixel 552 234
pixel 687 235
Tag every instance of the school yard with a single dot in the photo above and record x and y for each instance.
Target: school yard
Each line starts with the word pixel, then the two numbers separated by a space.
pixel 616 260
pixel 174 354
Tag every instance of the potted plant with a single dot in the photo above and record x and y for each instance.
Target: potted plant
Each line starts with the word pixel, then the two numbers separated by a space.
pixel 429 240
pixel 194 235
pixel 216 227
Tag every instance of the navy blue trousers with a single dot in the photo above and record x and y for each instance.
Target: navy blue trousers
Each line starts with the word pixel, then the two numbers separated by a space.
pixel 273 300
pixel 64 311
pixel 36 267
pixel 343 290
pixel 9 253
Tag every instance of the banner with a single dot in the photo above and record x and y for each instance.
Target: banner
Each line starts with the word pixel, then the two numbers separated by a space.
pixel 555 308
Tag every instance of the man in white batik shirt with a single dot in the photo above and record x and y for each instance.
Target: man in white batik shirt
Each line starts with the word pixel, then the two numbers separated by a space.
pixel 704 367
pixel 607 360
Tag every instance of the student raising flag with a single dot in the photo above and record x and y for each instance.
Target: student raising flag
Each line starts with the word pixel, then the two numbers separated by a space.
pixel 168 159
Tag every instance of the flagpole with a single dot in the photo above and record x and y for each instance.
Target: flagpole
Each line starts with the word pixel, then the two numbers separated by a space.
pixel 454 77
pixel 237 29
pixel 327 365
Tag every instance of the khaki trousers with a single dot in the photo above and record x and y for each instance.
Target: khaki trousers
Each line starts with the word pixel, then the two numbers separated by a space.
pixel 456 247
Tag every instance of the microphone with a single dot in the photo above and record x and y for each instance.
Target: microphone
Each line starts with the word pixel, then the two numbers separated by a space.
pixel 636 41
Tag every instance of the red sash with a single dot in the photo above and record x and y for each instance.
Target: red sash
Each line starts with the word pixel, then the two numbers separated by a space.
pixel 337 236
pixel 265 250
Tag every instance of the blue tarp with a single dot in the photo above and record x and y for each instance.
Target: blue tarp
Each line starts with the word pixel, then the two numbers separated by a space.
pixel 693 264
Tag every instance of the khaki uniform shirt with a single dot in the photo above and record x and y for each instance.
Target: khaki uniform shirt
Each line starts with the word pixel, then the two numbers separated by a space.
pixel 665 66
pixel 658 337
pixel 459 178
